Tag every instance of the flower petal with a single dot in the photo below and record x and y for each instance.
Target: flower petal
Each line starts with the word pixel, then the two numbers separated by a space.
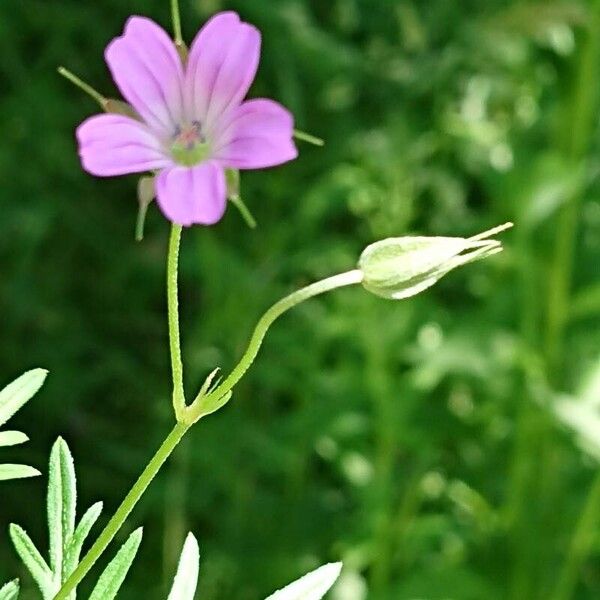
pixel 147 69
pixel 255 135
pixel 115 145
pixel 221 67
pixel 192 195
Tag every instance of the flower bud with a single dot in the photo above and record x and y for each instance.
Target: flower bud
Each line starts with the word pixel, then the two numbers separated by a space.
pixel 397 268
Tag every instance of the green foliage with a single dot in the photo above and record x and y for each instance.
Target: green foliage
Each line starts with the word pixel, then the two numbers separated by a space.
pixel 12 398
pixel 66 537
pixel 186 578
pixel 418 441
pixel 113 576
pixel 313 586
pixel 10 591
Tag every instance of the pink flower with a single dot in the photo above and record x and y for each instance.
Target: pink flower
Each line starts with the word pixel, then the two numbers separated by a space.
pixel 193 120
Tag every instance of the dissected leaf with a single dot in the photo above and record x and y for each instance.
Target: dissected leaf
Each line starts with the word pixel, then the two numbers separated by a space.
pixel 9 471
pixel 113 576
pixel 17 393
pixel 10 591
pixel 62 495
pixel 71 558
pixel 186 578
pixel 32 559
pixel 313 586
pixel 12 438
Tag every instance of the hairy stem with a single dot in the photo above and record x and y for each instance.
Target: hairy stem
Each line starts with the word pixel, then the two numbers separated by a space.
pixel 128 504
pixel 176 22
pixel 201 403
pixel 173 311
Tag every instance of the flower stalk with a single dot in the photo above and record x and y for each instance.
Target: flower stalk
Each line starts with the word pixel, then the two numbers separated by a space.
pixel 173 318
pixel 205 404
pixel 128 504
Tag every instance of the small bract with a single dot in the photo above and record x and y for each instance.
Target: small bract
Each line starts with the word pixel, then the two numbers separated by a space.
pixel 397 268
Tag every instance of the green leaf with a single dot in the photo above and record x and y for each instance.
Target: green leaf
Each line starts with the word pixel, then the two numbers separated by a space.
pixel 312 586
pixel 10 591
pixel 17 393
pixel 12 438
pixel 9 471
pixel 113 576
pixel 186 578
pixel 71 559
pixel 32 559
pixel 62 495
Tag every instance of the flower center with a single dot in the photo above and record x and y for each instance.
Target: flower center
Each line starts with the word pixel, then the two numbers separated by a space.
pixel 189 145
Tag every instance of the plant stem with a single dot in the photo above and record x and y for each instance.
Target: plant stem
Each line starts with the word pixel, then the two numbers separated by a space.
pixel 176 22
pixel 173 311
pixel 576 142
pixel 202 403
pixel 117 520
pixel 581 543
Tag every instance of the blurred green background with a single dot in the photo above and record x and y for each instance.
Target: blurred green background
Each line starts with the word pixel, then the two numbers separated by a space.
pixel 445 446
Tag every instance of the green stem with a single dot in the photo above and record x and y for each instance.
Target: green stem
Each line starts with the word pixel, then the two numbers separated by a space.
pixel 117 520
pixel 176 22
pixel 578 136
pixel 581 544
pixel 202 403
pixel 173 311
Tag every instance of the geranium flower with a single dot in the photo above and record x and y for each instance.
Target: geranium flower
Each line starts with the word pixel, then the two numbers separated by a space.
pixel 193 121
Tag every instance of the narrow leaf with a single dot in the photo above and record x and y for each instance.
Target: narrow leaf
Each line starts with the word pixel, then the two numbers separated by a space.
pixel 17 393
pixel 9 471
pixel 31 558
pixel 62 495
pixel 186 579
pixel 312 586
pixel 113 576
pixel 10 591
pixel 12 438
pixel 71 559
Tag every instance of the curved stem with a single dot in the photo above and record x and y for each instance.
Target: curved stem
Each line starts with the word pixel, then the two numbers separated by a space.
pixel 173 310
pixel 117 520
pixel 203 403
pixel 176 22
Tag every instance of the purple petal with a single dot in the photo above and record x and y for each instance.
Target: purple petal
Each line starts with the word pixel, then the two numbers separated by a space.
pixel 255 135
pixel 147 69
pixel 221 67
pixel 192 195
pixel 116 145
